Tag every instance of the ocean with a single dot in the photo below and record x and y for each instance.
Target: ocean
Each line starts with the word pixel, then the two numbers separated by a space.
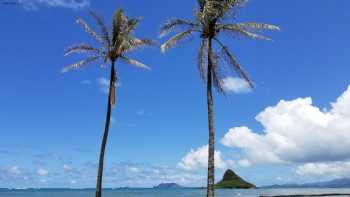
pixel 164 193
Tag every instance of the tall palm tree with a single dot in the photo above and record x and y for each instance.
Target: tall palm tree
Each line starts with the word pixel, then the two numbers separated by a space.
pixel 114 45
pixel 209 24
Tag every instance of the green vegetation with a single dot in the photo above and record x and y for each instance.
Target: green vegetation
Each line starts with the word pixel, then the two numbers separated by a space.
pixel 114 46
pixel 232 181
pixel 209 23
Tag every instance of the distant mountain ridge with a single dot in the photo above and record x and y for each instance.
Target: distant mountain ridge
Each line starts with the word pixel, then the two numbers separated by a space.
pixel 336 183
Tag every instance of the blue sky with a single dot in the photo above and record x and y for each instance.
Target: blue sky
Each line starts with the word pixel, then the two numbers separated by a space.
pixel 51 123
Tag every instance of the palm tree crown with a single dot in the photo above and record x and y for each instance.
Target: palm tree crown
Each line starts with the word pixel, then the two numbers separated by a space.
pixel 113 45
pixel 210 22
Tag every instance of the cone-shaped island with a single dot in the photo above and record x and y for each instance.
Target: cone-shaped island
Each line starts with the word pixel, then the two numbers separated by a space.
pixel 232 181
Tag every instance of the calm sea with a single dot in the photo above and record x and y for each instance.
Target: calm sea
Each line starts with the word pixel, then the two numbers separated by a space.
pixel 164 193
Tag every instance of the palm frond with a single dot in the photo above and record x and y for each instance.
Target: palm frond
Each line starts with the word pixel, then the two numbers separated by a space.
pixel 102 26
pixel 81 48
pixel 131 25
pixel 234 28
pixel 198 16
pixel 171 24
pixel 235 3
pixel 230 7
pixel 231 60
pixel 217 79
pixel 135 43
pixel 119 24
pixel 89 30
pixel 202 58
pixel 258 26
pixel 217 73
pixel 175 39
pixel 213 9
pixel 134 63
pixel 201 4
pixel 142 42
pixel 105 60
pixel 80 64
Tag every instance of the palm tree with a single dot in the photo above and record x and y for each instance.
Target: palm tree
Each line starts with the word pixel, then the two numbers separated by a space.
pixel 113 46
pixel 209 24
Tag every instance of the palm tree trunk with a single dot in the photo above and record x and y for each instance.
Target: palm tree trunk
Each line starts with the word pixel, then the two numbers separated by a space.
pixel 211 148
pixel 105 134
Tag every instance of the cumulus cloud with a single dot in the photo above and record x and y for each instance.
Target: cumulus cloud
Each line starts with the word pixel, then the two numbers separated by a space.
pixel 120 174
pixel 244 163
pixel 14 170
pixel 297 131
pixel 67 168
pixel 42 172
pixel 235 85
pixel 21 177
pixel 71 4
pixel 132 169
pixel 73 182
pixel 145 175
pixel 328 169
pixel 198 158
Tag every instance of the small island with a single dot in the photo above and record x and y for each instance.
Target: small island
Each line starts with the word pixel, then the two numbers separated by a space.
pixel 232 181
pixel 168 186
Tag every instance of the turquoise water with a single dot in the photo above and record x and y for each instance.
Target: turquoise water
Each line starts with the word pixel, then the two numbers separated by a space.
pixel 165 193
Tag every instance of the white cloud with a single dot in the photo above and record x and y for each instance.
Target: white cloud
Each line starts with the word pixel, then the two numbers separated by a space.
pixel 257 148
pixel 328 169
pixel 198 158
pixel 72 4
pixel 116 175
pixel 145 175
pixel 297 131
pixel 42 172
pixel 67 168
pixel 103 81
pixel 244 163
pixel 14 170
pixel 104 84
pixel 133 169
pixel 73 182
pixel 235 85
